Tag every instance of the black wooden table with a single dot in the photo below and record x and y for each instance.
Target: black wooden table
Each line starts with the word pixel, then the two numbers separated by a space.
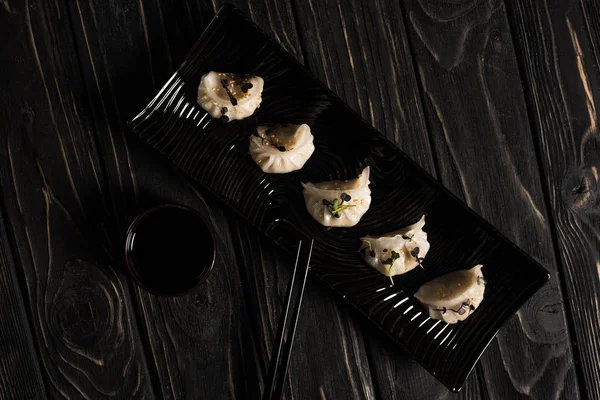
pixel 499 100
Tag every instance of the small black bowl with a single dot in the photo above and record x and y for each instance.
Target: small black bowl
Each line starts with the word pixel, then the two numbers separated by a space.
pixel 169 249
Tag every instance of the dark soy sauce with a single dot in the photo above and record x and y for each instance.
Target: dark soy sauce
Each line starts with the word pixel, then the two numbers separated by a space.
pixel 169 250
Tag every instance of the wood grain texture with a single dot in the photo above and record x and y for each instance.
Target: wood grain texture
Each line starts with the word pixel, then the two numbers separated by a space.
pixel 477 117
pixel 20 374
pixel 329 359
pixel 224 329
pixel 202 342
pixel 361 51
pixel 80 311
pixel 72 178
pixel 557 43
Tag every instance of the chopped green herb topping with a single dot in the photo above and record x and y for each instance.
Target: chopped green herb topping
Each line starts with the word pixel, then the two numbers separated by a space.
pixel 390 261
pixel 336 206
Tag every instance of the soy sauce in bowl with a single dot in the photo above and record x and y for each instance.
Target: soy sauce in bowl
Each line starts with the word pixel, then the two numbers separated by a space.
pixel 169 249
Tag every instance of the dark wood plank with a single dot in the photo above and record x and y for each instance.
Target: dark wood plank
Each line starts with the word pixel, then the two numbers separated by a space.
pixel 226 326
pixel 590 11
pixel 203 343
pixel 477 116
pixel 360 49
pixel 81 314
pixel 558 45
pixel 20 374
pixel 329 359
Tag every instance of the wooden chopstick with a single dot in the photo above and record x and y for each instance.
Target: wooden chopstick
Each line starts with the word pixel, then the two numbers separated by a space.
pixel 285 334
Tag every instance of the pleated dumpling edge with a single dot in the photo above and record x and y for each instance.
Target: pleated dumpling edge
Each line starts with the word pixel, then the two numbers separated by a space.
pixel 339 203
pixel 454 296
pixel 397 252
pixel 281 148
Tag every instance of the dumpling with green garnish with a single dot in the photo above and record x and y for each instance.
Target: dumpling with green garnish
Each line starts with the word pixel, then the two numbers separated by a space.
pixel 230 96
pixel 338 203
pixel 281 148
pixel 454 296
pixel 397 252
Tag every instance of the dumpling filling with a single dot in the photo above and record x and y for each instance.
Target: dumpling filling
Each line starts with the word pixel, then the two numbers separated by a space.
pixel 397 252
pixel 279 149
pixel 455 296
pixel 230 96
pixel 338 203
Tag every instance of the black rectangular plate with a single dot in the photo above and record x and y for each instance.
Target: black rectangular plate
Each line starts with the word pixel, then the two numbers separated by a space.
pixel 215 154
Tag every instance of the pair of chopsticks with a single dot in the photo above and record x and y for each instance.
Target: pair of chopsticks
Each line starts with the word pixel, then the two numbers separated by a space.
pixel 285 334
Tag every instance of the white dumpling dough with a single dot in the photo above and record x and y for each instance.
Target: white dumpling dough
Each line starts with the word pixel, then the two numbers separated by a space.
pixel 409 246
pixel 353 210
pixel 280 149
pixel 455 296
pixel 245 91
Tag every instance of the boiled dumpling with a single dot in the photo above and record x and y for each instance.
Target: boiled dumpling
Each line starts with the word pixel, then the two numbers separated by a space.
pixel 230 96
pixel 281 148
pixel 453 297
pixel 396 252
pixel 338 203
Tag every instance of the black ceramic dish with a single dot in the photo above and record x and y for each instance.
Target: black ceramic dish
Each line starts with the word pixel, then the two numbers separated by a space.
pixel 169 249
pixel 215 154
